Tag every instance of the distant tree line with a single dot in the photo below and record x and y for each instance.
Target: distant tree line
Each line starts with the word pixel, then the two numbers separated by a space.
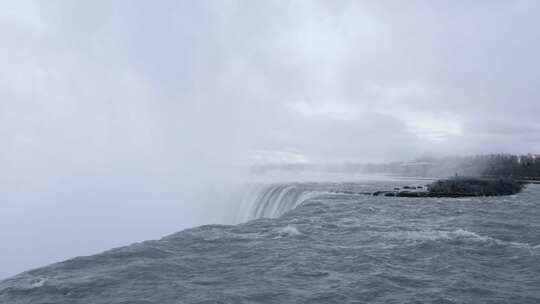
pixel 507 165
pixel 491 165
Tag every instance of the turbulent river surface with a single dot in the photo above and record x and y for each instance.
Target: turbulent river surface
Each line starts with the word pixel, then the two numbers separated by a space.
pixel 318 243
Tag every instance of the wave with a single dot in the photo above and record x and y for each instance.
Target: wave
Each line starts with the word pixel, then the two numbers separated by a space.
pixel 287 231
pixel 455 235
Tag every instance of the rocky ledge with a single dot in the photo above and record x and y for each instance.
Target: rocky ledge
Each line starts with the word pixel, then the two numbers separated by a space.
pixel 459 187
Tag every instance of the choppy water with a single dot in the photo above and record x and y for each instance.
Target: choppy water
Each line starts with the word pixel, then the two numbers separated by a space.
pixel 326 245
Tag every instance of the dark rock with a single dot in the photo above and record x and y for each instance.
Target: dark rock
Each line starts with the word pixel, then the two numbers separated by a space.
pixel 412 194
pixel 458 187
pixel 376 193
pixel 463 187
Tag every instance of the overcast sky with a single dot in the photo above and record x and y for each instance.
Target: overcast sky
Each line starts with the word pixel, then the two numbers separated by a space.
pixel 116 115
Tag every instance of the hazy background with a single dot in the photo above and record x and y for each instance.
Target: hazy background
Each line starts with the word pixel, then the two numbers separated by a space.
pixel 122 121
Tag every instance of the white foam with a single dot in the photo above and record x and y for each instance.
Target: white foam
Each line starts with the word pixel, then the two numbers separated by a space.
pixel 287 231
pixel 461 233
pixel 30 282
pixel 435 235
pixel 38 283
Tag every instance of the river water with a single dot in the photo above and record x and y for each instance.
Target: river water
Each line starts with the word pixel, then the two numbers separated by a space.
pixel 318 243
